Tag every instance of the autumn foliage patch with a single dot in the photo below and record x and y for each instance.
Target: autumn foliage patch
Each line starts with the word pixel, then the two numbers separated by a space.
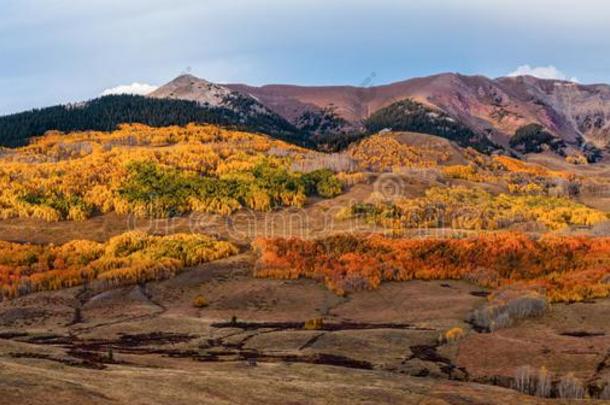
pixel 384 152
pixel 474 209
pixel 155 172
pixel 562 268
pixel 130 258
pixel 518 176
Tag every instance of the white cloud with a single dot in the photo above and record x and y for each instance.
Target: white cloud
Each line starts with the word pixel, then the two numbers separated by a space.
pixel 133 88
pixel 542 72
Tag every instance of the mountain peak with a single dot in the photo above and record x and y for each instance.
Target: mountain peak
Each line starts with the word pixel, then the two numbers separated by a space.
pixel 186 77
pixel 192 88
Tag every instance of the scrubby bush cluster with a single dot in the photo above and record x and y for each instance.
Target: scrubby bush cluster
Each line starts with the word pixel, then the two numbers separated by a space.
pixel 605 392
pixel 313 324
pixel 132 257
pixel 452 335
pixel 474 209
pixel 466 172
pixel 518 166
pixel 507 307
pixel 337 162
pixel 561 268
pixel 571 387
pixel 591 152
pixel 533 381
pixel 200 301
pixel 154 172
pixel 518 177
pixel 577 159
pixel 540 383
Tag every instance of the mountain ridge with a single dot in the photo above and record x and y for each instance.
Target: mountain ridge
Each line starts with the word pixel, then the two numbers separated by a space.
pixel 497 106
pixel 483 112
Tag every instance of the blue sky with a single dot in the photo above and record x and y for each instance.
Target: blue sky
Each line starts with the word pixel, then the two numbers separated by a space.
pixel 56 51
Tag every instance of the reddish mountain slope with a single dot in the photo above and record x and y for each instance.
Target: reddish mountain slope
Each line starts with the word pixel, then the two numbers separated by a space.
pixel 496 107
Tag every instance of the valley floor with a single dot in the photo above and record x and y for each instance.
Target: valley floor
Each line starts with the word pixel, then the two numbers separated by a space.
pixel 149 344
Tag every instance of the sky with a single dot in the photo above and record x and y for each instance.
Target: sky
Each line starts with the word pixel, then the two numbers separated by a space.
pixel 59 51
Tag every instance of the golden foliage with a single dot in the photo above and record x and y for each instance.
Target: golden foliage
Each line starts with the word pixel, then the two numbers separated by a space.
pixel 466 172
pixel 314 324
pixel 518 176
pixel 200 301
pixel 517 166
pixel 129 258
pixel 452 335
pixel 350 179
pixel 474 209
pixel 73 176
pixel 383 152
pixel 577 159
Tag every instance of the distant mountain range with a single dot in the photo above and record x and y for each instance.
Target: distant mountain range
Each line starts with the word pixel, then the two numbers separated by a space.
pixel 471 110
pixel 576 115
pixel 497 107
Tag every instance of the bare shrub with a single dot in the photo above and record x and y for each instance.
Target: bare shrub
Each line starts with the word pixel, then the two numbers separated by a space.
pixel 504 311
pixel 484 276
pixel 337 162
pixel 531 381
pixel 601 229
pixel 428 174
pixel 605 394
pixel 354 282
pixel 525 380
pixel 545 383
pixel 559 187
pixel 571 387
pixel 78 316
pixel 529 306
pixel 280 152
pixel 501 321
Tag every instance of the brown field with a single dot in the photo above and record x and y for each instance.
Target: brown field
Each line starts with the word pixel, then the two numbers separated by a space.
pixel 149 344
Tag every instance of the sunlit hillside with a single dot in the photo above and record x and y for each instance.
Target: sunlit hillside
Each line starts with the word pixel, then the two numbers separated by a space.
pixel 154 172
